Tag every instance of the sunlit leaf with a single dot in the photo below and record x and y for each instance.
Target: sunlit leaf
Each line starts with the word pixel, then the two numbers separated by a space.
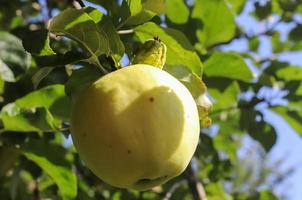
pixel 218 21
pixel 197 88
pixel 179 49
pixel 79 26
pixel 228 65
pixel 177 11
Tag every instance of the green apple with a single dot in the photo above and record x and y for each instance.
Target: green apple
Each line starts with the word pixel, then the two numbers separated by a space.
pixel 136 127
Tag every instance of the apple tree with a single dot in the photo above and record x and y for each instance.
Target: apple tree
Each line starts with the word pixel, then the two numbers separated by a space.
pixel 51 50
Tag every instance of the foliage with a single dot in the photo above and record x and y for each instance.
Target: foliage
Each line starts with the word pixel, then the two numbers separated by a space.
pixel 44 64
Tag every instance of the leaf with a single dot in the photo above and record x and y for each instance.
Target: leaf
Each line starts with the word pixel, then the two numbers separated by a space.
pixel 27 120
pixel 177 11
pixel 196 87
pixel 40 46
pixel 254 44
pixel 95 14
pixel 261 131
pixel 292 117
pixel 237 5
pixel 60 59
pixel 267 195
pixel 228 65
pixel 52 98
pixel 40 74
pixel 44 97
pixel 218 21
pixel 290 73
pixel 263 11
pixel 13 54
pixel 296 34
pixel 115 44
pixel 79 26
pixel 179 49
pixel 80 79
pixel 215 191
pixel 6 73
pixel 51 159
pixel 156 6
pixel 134 12
pixel 225 97
pixel 38 111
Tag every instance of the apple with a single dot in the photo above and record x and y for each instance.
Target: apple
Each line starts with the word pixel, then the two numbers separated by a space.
pixel 136 127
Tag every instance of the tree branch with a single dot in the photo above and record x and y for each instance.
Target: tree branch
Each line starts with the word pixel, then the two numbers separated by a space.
pixel 195 186
pixel 78 4
pixel 174 187
pixel 81 3
pixel 123 32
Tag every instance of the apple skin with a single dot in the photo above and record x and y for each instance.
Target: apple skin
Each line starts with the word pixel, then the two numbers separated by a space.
pixel 136 127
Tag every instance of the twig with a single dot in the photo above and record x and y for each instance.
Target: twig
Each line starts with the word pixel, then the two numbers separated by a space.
pixel 196 187
pixel 174 187
pixel 81 3
pixel 123 32
pixel 36 192
pixel 123 23
pixel 78 4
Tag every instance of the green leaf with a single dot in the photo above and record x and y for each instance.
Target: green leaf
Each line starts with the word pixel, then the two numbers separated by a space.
pixel 58 59
pixel 40 74
pixel 44 97
pixel 263 11
pixel 177 11
pixel 38 111
pixel 228 129
pixel 218 21
pixel 136 12
pixel 6 73
pixel 261 131
pixel 40 46
pixel 52 98
pixel 254 44
pixel 156 6
pixel 81 79
pixel 292 117
pixel 196 87
pixel 94 14
pixel 51 159
pixel 115 44
pixel 290 73
pixel 228 65
pixel 27 120
pixel 215 191
pixel 225 97
pixel 179 49
pixel 236 5
pixel 296 33
pixel 79 26
pixel 267 195
pixel 13 54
